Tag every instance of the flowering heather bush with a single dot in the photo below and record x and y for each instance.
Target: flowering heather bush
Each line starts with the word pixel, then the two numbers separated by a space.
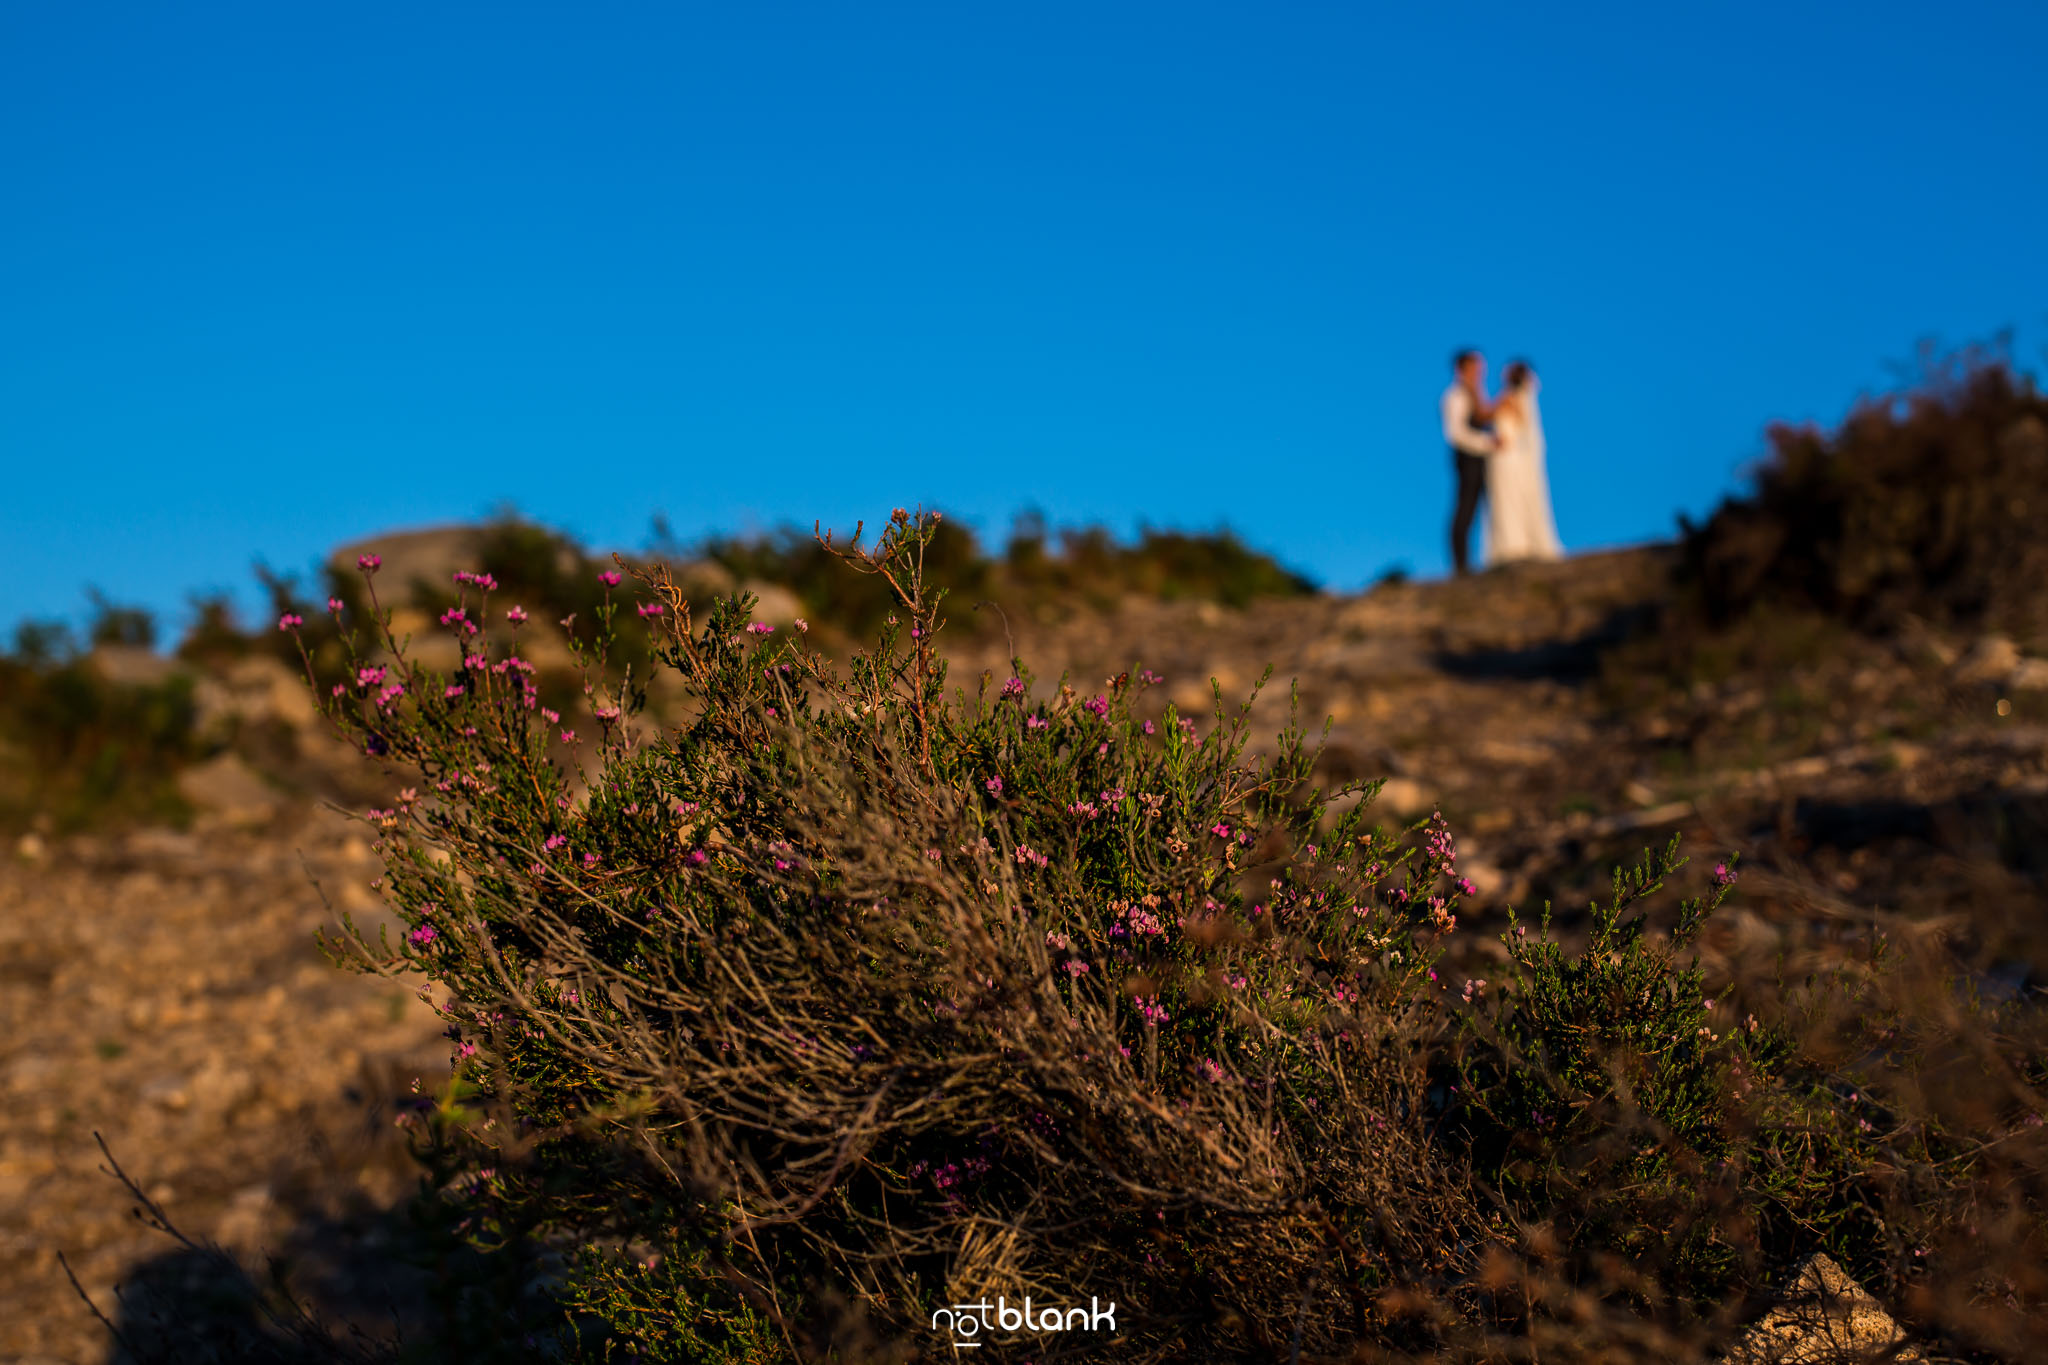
pixel 851 998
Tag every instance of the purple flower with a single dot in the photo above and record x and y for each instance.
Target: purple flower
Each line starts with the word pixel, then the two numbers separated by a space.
pixel 649 610
pixel 554 841
pixel 422 936
pixel 290 621
pixel 610 578
pixel 1013 688
pixel 760 628
pixel 994 785
pixel 1724 875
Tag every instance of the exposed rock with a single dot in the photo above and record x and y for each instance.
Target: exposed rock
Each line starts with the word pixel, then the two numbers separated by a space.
pixel 431 555
pixel 777 605
pixel 229 790
pixel 1823 1318
pixel 2029 675
pixel 132 665
pixel 1993 658
pixel 256 688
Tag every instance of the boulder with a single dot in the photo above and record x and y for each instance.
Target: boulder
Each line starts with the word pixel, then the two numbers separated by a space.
pixel 132 665
pixel 778 606
pixel 1822 1318
pixel 228 790
pixel 1992 659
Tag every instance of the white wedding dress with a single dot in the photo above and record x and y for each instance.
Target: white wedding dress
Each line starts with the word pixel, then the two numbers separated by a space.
pixel 1518 520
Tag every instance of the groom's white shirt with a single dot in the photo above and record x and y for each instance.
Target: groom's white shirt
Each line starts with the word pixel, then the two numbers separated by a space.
pixel 1458 428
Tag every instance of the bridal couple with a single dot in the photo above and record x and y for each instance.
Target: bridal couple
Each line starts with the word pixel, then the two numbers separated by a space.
pixel 1497 448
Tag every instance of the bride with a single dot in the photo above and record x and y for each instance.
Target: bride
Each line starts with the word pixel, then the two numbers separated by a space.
pixel 1518 520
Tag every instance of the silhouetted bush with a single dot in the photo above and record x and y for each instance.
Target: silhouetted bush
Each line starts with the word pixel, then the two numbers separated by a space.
pixel 1928 502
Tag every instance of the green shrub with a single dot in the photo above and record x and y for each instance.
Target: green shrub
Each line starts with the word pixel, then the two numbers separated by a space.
pixel 79 751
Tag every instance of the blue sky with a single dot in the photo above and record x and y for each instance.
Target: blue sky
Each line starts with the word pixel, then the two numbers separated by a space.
pixel 274 276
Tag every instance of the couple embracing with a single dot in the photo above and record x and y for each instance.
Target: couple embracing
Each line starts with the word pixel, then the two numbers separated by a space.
pixel 1497 448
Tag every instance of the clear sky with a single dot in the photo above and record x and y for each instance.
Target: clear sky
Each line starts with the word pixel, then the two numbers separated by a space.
pixel 276 275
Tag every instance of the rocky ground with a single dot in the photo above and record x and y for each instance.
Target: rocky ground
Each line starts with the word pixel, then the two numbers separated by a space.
pixel 161 987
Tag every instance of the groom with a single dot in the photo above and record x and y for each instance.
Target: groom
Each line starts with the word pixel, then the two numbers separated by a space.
pixel 1466 413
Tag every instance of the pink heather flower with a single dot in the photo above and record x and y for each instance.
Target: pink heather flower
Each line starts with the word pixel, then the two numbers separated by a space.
pixel 517 616
pixel 453 690
pixel 698 857
pixel 994 785
pixel 290 621
pixel 369 563
pixel 1212 1069
pixel 423 935
pixel 1723 875
pixel 390 694
pixel 1148 727
pixel 1036 723
pixel 568 736
pixel 650 610
pixel 760 628
pixel 1465 885
pixel 591 860
pixel 1074 967
pixel 607 714
pixel 1220 830
pixel 1013 688
pixel 552 716
pixel 484 581
pixel 453 615
pixel 334 605
pixel 802 626
pixel 370 676
pixel 610 578
pixel 1099 705
pixel 466 1050
pixel 554 841
pixel 340 688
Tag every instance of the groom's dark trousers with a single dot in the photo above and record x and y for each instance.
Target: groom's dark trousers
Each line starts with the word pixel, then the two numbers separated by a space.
pixel 1471 487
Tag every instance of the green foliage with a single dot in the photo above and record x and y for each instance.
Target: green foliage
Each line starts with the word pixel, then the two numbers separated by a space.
pixel 1603 1089
pixel 78 751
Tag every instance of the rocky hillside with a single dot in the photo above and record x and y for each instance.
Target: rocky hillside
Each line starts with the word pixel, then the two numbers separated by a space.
pixel 162 987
